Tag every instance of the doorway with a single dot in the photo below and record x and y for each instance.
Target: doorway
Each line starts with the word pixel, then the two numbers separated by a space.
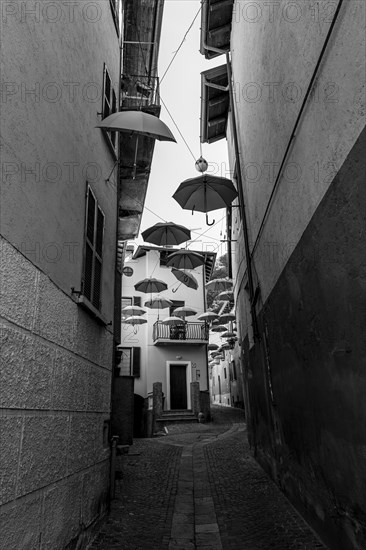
pixel 178 384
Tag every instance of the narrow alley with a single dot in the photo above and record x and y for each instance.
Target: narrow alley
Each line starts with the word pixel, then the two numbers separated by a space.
pixel 200 487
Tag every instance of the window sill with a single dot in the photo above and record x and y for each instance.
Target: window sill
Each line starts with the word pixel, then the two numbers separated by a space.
pixel 83 302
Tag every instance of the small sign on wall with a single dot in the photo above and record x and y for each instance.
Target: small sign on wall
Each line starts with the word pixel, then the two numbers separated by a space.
pixel 198 374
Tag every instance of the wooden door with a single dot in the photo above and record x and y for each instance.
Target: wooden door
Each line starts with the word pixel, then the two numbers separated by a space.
pixel 178 387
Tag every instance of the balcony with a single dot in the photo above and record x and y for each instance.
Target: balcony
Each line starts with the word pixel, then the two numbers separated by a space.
pixel 186 333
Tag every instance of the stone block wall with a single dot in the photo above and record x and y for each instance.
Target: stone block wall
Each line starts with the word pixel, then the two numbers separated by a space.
pixel 55 382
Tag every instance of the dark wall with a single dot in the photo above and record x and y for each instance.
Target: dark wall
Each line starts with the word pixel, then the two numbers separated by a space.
pixel 306 379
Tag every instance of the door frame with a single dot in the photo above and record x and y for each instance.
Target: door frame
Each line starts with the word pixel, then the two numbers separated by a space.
pixel 188 365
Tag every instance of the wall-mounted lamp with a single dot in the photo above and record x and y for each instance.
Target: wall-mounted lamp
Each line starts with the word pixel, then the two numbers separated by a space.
pixel 178 357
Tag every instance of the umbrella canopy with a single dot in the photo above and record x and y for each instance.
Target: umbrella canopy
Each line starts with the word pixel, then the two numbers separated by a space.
pixel 137 122
pixel 226 295
pixel 219 284
pixel 158 303
pixel 227 317
pixel 185 278
pixel 228 334
pixel 208 316
pixel 184 312
pixel 166 233
pixel 226 346
pixel 172 321
pixel 150 285
pixel 133 310
pixel 134 320
pixel 212 346
pixel 185 259
pixel 205 193
pixel 219 328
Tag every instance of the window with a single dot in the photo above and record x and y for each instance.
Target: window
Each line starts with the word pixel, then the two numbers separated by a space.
pixel 164 256
pixel 129 362
pixel 93 252
pixel 225 375
pixel 175 305
pixel 109 106
pixel 130 300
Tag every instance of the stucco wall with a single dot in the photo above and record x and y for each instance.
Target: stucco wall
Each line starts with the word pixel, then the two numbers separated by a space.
pixel 55 397
pixel 274 52
pixel 154 358
pixel 52 73
pixel 56 358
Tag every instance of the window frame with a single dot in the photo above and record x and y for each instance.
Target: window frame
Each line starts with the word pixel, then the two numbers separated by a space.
pixel 115 8
pixel 111 102
pixel 96 250
pixel 135 361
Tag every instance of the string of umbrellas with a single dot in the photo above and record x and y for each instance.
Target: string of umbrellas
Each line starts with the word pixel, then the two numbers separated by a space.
pixel 204 193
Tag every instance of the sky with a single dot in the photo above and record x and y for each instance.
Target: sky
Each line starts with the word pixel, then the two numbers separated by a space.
pixel 173 162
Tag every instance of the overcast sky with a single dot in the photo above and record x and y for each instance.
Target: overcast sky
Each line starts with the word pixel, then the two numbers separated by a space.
pixel 173 163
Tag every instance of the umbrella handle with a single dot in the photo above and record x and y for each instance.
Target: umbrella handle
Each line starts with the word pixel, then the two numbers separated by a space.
pixel 194 206
pixel 207 222
pixel 175 290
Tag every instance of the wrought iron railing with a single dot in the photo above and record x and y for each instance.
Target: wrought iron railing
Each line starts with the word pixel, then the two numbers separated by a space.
pixel 185 331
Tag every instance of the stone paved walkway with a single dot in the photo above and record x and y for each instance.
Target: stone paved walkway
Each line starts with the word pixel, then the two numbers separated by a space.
pixel 200 488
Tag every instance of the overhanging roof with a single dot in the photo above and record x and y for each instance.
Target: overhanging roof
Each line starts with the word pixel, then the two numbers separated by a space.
pixel 214 104
pixel 216 16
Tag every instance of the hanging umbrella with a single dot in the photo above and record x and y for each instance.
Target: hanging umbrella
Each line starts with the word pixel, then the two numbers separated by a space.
pixel 134 320
pixel 133 310
pixel 184 312
pixel 226 346
pixel 215 353
pixel 219 328
pixel 227 318
pixel 172 321
pixel 150 285
pixel 208 316
pixel 226 295
pixel 205 193
pixel 167 233
pixel 228 334
pixel 219 284
pixel 185 259
pixel 212 346
pixel 158 303
pixel 137 122
pixel 185 278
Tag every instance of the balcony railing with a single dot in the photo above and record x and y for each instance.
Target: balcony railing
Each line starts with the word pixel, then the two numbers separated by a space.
pixel 186 332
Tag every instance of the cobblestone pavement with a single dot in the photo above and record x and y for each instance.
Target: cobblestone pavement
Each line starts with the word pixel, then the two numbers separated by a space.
pixel 200 488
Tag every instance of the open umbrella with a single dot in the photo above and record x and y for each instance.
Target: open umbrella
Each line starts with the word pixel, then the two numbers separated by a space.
pixel 212 346
pixel 185 259
pixel 166 233
pixel 226 295
pixel 172 321
pixel 185 278
pixel 134 320
pixel 184 312
pixel 219 328
pixel 150 285
pixel 208 316
pixel 205 193
pixel 228 334
pixel 158 303
pixel 219 284
pixel 137 122
pixel 133 310
pixel 227 318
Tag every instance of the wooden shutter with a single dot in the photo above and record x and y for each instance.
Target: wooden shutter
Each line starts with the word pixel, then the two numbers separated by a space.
pixel 136 360
pixel 94 230
pixel 137 300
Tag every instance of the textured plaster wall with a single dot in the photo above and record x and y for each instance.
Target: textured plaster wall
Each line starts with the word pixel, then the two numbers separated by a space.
pixel 153 358
pixel 52 69
pixel 55 381
pixel 274 52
